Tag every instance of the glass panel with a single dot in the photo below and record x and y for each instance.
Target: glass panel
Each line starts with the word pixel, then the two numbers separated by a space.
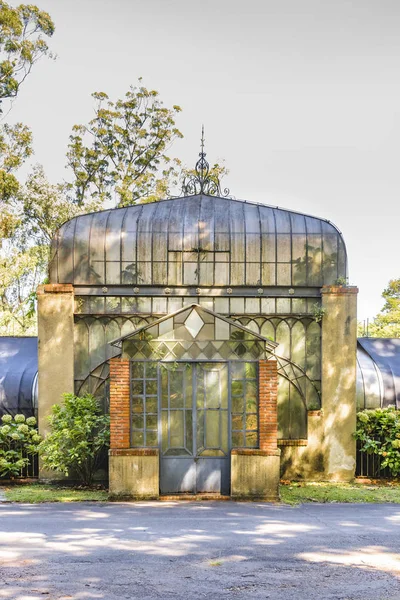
pixel 151 386
pixel 251 370
pixel 164 430
pixel 212 452
pixel 237 273
pixel 189 430
pixel 251 439
pixel 244 406
pixel 200 429
pixel 283 306
pixel 268 273
pixel 151 438
pixel 213 387
pixel 151 421
pixel 113 274
pixel 137 370
pixel 151 404
pixel 212 429
pixel 176 428
pixel 237 439
pixel 299 344
pixel 253 274
pixel 237 422
pixel 191 274
pixel 283 274
pixel 237 388
pixel 137 421
pixel 151 370
pixel 251 422
pixel 221 274
pixel 137 438
pixel 176 391
pixel 237 404
pixel 137 387
pixel 137 404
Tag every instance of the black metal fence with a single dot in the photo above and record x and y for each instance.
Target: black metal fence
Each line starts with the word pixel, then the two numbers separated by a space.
pixel 368 465
pixel 32 468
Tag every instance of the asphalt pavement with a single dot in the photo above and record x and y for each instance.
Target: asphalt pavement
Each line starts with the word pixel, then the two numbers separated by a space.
pixel 185 550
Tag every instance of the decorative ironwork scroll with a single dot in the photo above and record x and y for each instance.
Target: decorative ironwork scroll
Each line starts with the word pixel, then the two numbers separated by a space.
pixel 202 181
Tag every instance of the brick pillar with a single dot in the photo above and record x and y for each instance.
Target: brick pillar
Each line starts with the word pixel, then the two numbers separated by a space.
pixel 119 403
pixel 255 472
pixel 268 398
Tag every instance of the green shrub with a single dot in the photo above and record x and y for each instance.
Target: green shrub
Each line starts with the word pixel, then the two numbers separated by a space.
pixel 379 433
pixel 79 433
pixel 19 440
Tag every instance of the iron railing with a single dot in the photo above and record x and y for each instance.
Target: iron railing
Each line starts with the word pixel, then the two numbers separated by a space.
pixel 369 465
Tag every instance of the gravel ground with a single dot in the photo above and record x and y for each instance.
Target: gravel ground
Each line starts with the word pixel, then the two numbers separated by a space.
pixel 185 550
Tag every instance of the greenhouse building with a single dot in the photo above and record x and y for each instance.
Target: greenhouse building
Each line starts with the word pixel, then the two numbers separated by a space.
pixel 219 333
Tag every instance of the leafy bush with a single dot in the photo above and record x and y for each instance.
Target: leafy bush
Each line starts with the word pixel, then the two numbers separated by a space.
pixel 19 440
pixel 379 433
pixel 79 432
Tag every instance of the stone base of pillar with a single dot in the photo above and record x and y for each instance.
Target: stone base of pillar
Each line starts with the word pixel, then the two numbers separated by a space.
pixel 255 474
pixel 134 474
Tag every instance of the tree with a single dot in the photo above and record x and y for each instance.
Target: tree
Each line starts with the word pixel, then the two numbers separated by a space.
pixel 22 43
pixel 79 434
pixel 387 322
pixel 23 32
pixel 36 211
pixel 121 154
pixel 15 148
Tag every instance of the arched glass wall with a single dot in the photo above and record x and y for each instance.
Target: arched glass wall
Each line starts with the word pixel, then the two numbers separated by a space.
pixel 299 340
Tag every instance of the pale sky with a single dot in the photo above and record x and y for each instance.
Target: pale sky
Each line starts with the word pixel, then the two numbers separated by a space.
pixel 300 97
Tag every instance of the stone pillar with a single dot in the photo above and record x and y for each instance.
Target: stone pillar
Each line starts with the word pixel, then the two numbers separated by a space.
pixel 255 472
pixel 339 348
pixel 133 472
pixel 55 351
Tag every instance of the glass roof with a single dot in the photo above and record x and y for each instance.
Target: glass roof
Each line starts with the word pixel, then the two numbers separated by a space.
pixel 18 374
pixel 198 240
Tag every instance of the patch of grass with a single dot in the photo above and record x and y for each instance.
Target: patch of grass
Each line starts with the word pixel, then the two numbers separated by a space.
pixel 37 492
pixel 215 563
pixel 297 493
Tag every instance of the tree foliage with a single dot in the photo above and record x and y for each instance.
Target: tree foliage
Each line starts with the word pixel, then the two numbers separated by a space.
pixel 79 433
pixel 36 211
pixel 23 33
pixel 121 155
pixel 387 322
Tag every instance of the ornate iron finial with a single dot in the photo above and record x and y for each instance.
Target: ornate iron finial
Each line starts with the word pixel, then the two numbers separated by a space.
pixel 202 182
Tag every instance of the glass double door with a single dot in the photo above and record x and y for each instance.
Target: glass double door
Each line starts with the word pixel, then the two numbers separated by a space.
pixel 194 412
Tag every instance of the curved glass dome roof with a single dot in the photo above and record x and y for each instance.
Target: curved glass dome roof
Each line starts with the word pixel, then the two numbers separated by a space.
pixel 18 375
pixel 378 372
pixel 198 240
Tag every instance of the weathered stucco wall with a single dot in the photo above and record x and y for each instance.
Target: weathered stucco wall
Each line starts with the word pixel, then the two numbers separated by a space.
pixel 304 459
pixel 339 351
pixel 55 351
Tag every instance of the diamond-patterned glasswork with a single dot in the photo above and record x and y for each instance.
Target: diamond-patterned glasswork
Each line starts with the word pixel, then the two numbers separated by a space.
pixel 194 323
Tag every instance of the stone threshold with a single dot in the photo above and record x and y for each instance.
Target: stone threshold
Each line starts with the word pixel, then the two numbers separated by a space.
pixel 194 497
